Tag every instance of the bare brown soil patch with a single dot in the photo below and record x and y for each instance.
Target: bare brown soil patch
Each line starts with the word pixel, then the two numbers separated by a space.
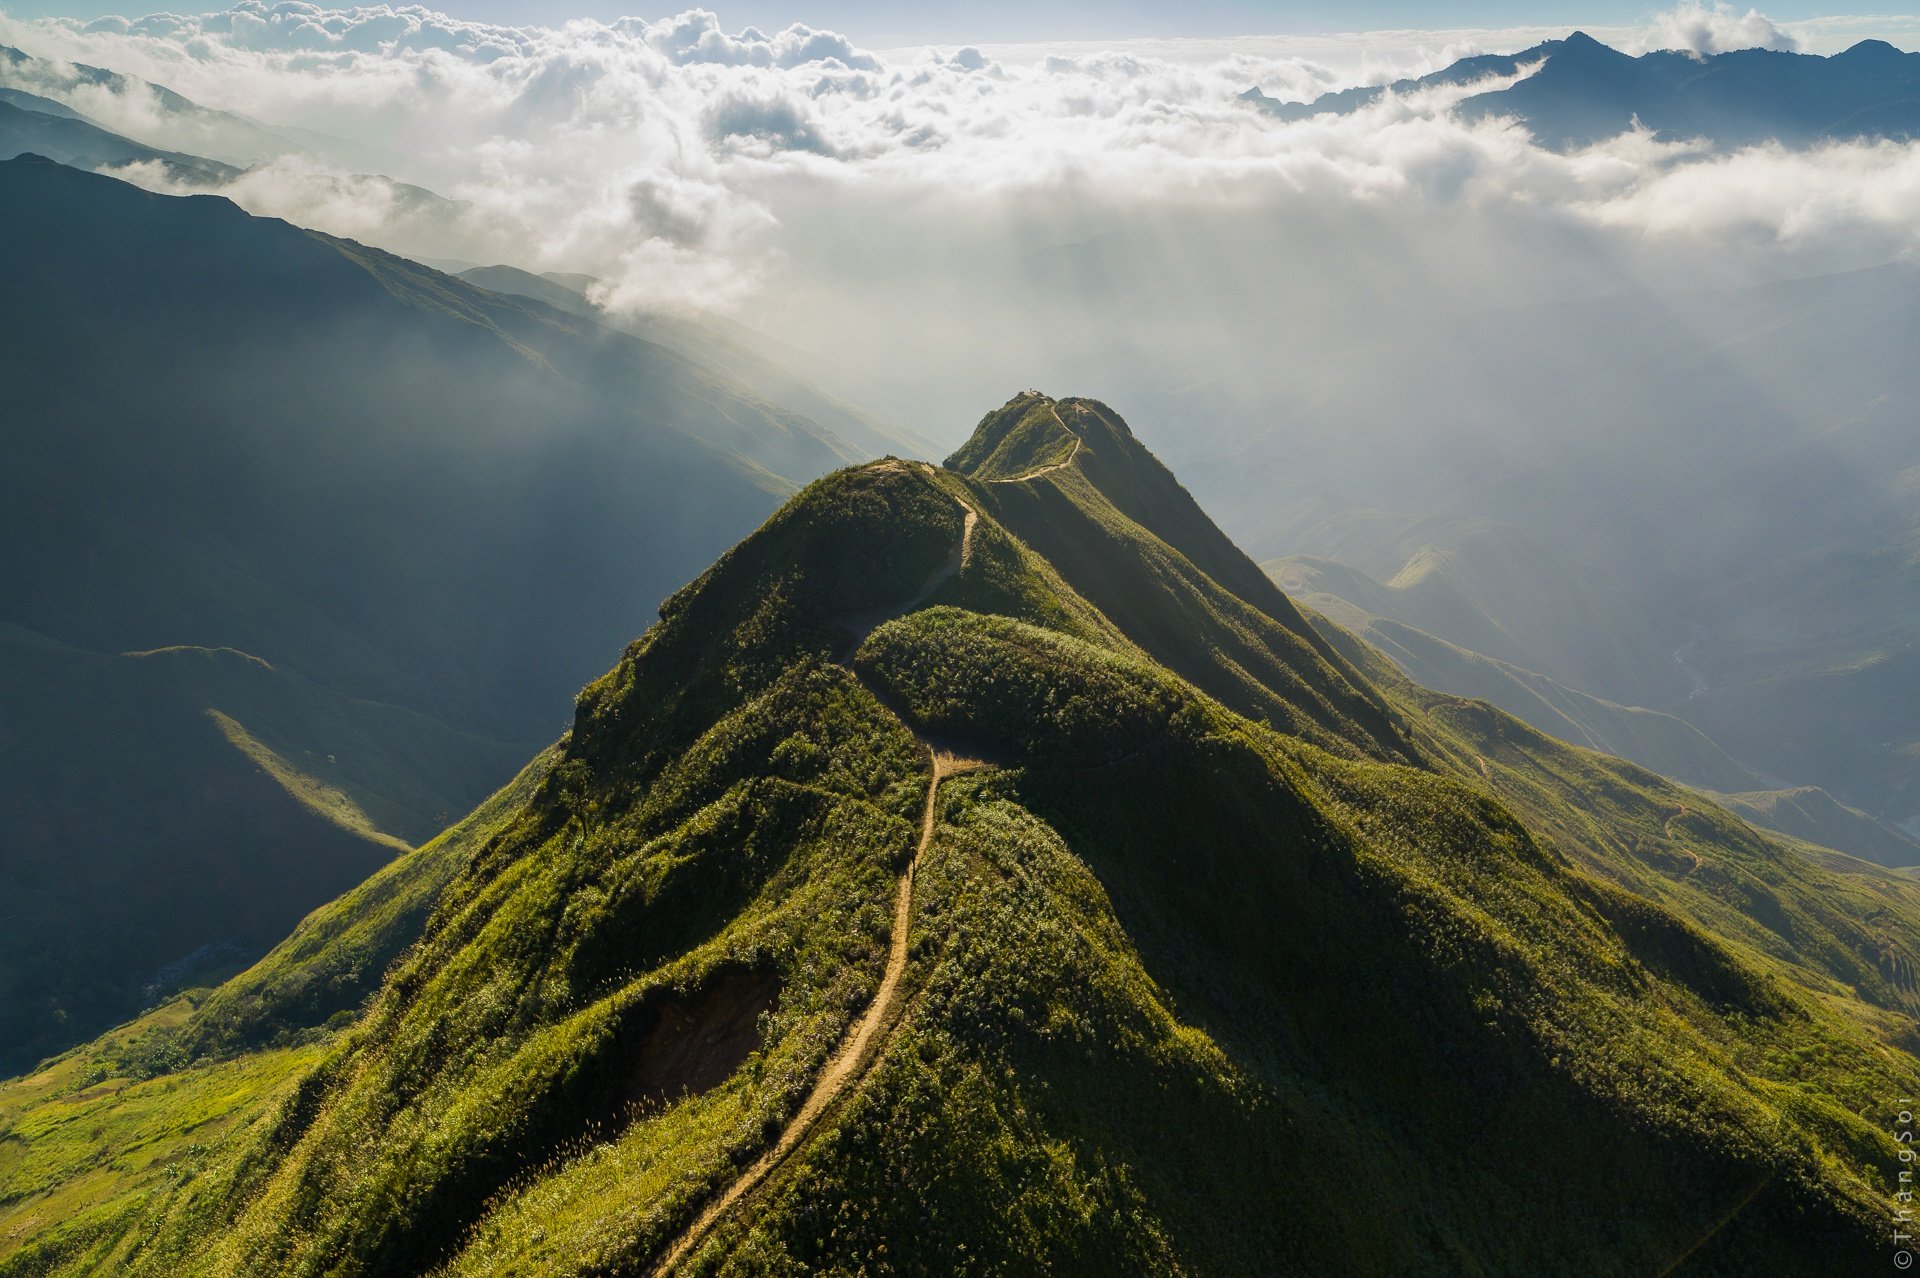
pixel 695 1042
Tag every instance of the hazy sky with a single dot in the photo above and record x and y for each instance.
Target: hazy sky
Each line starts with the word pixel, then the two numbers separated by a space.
pixel 887 22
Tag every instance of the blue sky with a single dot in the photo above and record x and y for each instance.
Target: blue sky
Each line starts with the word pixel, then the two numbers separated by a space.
pixel 879 23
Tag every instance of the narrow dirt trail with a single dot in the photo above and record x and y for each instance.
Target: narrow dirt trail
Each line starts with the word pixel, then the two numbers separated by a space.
pixel 1062 464
pixel 857 1050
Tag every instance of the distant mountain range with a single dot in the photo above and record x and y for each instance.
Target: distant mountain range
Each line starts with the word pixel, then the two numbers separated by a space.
pixel 1700 505
pixel 44 110
pixel 1578 91
pixel 231 140
pixel 30 124
pixel 302 548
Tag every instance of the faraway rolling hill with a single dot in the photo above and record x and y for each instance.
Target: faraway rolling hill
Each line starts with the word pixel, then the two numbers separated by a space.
pixel 987 868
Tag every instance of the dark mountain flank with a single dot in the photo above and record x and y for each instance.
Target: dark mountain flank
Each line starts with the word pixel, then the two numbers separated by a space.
pixel 400 518
pixel 1578 91
pixel 986 869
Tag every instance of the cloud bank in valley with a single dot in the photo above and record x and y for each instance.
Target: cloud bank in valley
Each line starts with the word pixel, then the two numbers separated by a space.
pixel 846 193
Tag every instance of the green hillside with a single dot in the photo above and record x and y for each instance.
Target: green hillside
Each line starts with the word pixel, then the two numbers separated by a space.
pixel 384 523
pixel 987 869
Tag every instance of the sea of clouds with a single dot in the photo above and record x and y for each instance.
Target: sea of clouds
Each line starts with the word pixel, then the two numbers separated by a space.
pixel 884 204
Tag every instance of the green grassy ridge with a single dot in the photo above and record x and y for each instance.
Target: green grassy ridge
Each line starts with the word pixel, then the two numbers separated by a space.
pixel 1024 435
pixel 1110 1133
pixel 503 1031
pixel 1162 586
pixel 1179 980
pixel 495 907
pixel 850 544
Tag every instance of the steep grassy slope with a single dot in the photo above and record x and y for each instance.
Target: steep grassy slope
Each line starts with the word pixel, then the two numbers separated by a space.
pixel 1841 927
pixel 1281 979
pixel 1125 536
pixel 410 516
pixel 93 1133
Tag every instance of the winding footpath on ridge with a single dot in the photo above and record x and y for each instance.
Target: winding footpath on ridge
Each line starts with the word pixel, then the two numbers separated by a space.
pixel 862 1043
pixel 1048 469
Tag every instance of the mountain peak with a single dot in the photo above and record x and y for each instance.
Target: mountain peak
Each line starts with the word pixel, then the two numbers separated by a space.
pixel 1025 438
pixel 1584 47
pixel 1870 50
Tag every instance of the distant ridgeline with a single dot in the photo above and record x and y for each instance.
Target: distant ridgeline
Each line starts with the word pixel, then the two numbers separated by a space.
pixel 1578 91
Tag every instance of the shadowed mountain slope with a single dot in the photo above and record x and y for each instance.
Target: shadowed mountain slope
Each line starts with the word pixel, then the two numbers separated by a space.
pixel 753 980
pixel 1661 742
pixel 406 518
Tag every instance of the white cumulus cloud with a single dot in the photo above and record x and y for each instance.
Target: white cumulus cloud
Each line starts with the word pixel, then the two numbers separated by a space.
pixel 1716 28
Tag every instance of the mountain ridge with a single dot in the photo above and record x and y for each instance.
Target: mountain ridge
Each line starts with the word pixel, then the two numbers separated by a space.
pixel 1162 958
pixel 1577 91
